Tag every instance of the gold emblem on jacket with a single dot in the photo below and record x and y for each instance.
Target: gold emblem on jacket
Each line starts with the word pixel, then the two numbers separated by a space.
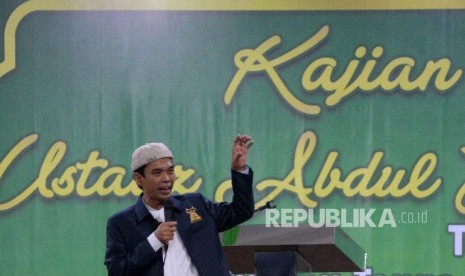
pixel 193 214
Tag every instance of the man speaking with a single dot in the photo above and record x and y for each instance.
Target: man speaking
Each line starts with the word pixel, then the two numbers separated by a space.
pixel 176 235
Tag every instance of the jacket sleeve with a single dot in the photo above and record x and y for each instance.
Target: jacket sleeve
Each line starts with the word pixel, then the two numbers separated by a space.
pixel 121 261
pixel 227 215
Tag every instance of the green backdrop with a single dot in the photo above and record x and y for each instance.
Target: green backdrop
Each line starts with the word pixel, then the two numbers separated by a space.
pixel 87 86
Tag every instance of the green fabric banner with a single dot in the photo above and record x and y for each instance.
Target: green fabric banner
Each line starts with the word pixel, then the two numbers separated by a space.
pixel 357 116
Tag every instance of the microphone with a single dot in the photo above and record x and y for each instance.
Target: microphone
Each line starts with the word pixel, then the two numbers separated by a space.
pixel 168 206
pixel 268 205
pixel 168 210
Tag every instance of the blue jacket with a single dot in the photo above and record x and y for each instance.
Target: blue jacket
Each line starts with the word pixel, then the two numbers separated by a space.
pixel 129 253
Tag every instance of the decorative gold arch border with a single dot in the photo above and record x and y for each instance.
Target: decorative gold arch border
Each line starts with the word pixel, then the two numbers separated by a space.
pixel 9 62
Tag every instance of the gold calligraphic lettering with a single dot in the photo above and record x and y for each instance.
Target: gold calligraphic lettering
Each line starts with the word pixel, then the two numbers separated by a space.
pixel 77 177
pixel 51 161
pixel 396 75
pixel 64 185
pixel 358 181
pixel 459 199
pixel 14 153
pixel 460 196
pixel 294 182
pixel 250 60
pixel 363 181
pixel 182 177
pixel 93 162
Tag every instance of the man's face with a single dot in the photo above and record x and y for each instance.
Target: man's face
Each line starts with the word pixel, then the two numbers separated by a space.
pixel 158 181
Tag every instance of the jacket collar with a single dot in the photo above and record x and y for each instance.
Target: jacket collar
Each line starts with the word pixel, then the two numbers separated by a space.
pixel 177 204
pixel 141 210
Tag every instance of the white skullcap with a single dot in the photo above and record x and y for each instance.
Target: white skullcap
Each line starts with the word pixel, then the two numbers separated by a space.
pixel 148 153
